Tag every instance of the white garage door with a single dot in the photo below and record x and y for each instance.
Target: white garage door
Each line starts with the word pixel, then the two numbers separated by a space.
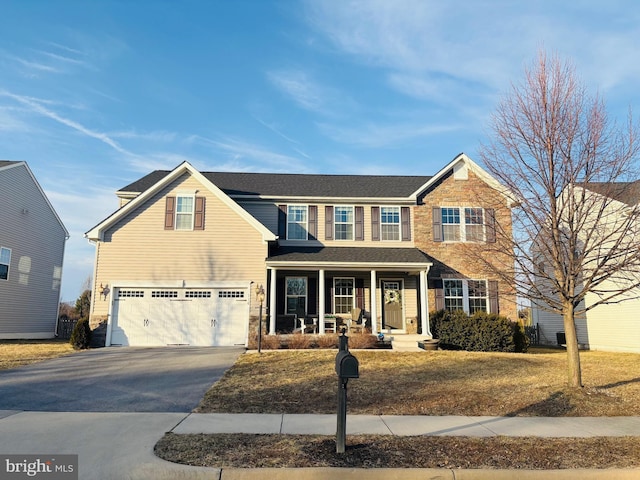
pixel 179 316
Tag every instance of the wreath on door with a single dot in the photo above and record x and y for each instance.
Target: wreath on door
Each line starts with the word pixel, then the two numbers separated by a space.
pixel 392 296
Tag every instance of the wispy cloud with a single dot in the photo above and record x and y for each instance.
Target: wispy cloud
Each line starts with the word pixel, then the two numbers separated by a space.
pixel 300 87
pixel 261 157
pixel 486 45
pixel 376 136
pixel 282 135
pixel 38 107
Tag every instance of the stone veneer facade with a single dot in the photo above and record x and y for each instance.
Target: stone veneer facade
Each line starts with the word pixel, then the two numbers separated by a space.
pixel 467 260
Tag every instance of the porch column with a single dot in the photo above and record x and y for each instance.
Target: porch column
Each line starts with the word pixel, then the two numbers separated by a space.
pixel 321 302
pixel 374 303
pixel 424 303
pixel 272 302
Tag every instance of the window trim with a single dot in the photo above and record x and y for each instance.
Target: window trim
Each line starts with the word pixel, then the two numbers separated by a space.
pixel 465 293
pixel 352 296
pixel 462 226
pixel 398 224
pixel 289 222
pixel 7 264
pixel 286 293
pixel 352 223
pixel 192 213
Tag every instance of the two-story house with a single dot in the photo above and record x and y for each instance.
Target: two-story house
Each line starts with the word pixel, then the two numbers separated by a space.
pixel 32 242
pixel 181 260
pixel 601 322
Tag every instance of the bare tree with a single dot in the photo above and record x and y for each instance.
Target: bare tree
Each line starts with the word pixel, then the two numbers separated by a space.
pixel 575 238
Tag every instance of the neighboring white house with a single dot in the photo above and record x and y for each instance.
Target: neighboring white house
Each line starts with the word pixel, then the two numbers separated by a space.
pixel 608 327
pixel 32 241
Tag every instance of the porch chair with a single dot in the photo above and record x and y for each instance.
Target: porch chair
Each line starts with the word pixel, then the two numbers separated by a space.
pixel 306 324
pixel 358 321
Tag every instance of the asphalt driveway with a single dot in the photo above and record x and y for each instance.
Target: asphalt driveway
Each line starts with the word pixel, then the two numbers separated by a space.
pixel 117 379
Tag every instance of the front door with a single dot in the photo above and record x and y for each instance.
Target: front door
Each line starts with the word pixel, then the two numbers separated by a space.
pixel 392 308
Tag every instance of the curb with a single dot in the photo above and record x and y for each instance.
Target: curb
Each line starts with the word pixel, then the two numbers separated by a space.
pixel 423 473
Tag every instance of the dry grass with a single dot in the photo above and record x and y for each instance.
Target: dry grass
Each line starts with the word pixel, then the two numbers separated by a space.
pixel 16 353
pixel 431 383
pixel 297 451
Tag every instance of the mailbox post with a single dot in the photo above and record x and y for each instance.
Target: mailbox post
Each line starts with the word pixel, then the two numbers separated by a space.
pixel 346 367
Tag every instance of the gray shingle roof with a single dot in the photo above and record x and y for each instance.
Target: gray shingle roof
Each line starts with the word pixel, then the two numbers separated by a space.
pixel 4 163
pixel 625 192
pixel 379 255
pixel 299 185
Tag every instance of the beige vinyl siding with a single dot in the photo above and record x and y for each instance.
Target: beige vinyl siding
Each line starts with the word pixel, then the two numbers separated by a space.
pixel 614 327
pixel 138 248
pixel 29 298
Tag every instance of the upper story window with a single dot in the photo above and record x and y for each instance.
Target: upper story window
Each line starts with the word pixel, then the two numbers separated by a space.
pixel 184 212
pixel 389 223
pixel 343 223
pixel 297 222
pixel 5 262
pixel 297 226
pixel 469 224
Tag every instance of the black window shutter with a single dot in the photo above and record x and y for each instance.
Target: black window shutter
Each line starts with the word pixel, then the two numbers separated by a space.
pixel 328 223
pixel 312 294
pixel 360 293
pixel 282 222
pixel 375 224
pixel 490 215
pixel 437 224
pixel 494 303
pixel 313 222
pixel 438 286
pixel 169 213
pixel 405 220
pixel 328 295
pixel 359 214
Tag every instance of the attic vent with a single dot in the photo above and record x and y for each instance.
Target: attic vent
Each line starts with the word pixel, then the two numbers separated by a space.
pixel 130 293
pixel 197 294
pixel 231 294
pixel 164 294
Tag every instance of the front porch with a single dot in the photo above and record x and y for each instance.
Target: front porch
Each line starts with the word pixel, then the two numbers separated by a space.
pixel 385 288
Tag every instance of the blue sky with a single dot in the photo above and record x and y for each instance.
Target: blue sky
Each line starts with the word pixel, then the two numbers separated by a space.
pixel 95 94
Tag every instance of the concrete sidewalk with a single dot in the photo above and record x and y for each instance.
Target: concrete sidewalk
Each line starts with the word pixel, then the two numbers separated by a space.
pixel 405 425
pixel 114 445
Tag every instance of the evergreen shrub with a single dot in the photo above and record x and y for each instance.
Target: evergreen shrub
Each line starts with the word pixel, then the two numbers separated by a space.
pixel 481 332
pixel 81 335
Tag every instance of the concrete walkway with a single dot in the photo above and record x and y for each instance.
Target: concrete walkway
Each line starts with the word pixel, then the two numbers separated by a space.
pixel 405 425
pixel 114 445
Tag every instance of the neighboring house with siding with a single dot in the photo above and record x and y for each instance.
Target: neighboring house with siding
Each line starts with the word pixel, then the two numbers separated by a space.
pixel 32 241
pixel 607 327
pixel 180 261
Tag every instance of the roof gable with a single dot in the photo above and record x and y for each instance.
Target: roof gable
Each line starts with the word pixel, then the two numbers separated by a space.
pixel 157 182
pixel 7 164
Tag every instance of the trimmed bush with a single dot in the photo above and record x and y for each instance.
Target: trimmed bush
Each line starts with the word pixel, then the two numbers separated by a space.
pixel 81 335
pixel 481 332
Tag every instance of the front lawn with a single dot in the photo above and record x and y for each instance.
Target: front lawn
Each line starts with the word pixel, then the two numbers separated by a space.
pixel 425 383
pixel 430 383
pixel 16 353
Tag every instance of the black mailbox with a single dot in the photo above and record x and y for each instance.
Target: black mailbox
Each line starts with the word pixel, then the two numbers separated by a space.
pixel 346 365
